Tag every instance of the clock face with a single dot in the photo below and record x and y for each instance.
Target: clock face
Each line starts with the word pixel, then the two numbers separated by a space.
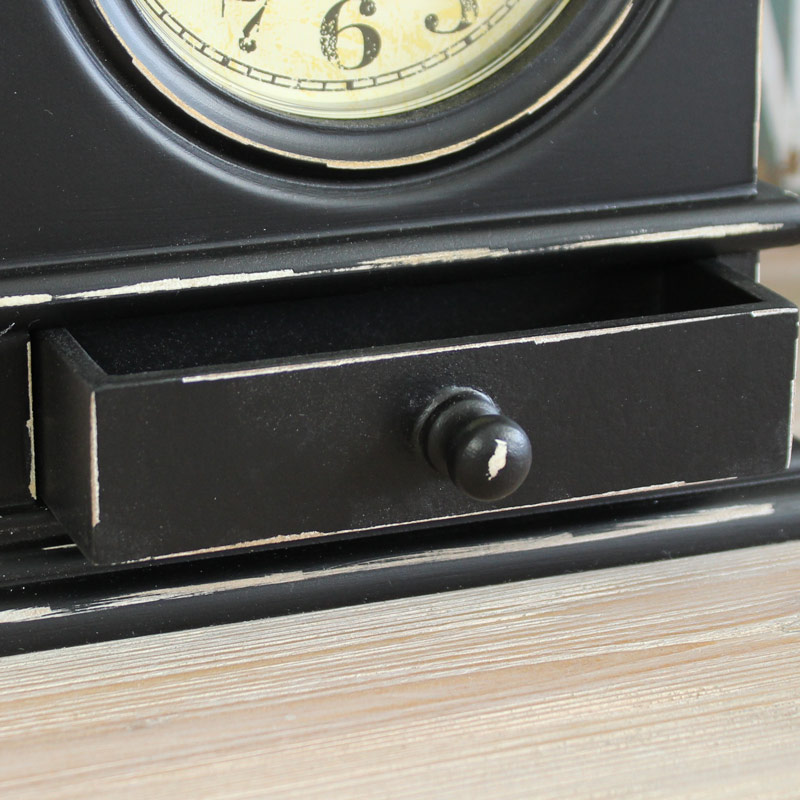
pixel 363 83
pixel 349 59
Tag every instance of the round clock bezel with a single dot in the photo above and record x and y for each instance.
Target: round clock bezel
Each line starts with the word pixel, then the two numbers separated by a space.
pixel 567 49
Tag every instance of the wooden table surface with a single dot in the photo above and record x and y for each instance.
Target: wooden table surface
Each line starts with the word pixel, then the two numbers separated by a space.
pixel 780 270
pixel 674 679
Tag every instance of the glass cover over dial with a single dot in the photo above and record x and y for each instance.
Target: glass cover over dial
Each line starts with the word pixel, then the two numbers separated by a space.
pixel 347 59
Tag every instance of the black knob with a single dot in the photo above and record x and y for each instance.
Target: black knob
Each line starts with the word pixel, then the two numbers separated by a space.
pixel 464 436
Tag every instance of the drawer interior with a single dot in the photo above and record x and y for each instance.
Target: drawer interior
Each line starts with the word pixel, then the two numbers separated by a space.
pixel 391 314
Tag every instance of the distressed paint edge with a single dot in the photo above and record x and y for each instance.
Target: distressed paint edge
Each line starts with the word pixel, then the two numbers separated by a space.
pixel 234 279
pixel 424 259
pixel 663 237
pixel 17 300
pixel 547 338
pixel 528 544
pixel 29 425
pixel 408 260
pixel 792 390
pixel 94 463
pixel 500 512
pixel 771 312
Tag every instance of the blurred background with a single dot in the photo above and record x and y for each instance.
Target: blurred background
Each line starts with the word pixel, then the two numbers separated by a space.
pixel 779 156
pixel 780 114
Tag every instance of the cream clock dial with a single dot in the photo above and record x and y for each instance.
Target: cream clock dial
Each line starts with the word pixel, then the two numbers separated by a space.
pixel 358 84
pixel 349 59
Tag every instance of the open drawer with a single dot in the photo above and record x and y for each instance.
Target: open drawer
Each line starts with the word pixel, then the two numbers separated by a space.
pixel 294 419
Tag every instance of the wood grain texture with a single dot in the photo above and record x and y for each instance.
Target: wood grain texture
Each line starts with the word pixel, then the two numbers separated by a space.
pixel 675 679
pixel 779 271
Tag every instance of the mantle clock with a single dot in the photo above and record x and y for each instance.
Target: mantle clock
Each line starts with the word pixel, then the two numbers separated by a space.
pixel 352 289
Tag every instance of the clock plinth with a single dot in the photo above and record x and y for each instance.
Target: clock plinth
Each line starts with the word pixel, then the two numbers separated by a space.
pixel 234 277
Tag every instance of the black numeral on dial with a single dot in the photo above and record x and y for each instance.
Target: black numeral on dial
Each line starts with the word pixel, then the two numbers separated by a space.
pixel 247 42
pixel 329 35
pixel 330 29
pixel 469 13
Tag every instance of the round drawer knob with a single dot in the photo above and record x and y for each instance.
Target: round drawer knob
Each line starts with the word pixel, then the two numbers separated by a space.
pixel 465 437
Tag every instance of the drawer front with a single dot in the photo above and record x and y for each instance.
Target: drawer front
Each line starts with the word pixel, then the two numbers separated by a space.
pixel 288 450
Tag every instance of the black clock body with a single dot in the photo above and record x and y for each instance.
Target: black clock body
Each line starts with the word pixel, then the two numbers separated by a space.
pixel 97 164
pixel 169 297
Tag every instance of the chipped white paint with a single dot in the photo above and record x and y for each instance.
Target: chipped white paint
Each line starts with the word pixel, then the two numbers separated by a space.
pixel 328 363
pixel 233 279
pixel 568 336
pixel 694 519
pixel 685 234
pixel 177 284
pixel 94 465
pixel 309 535
pixel 772 312
pixel 668 522
pixel 698 519
pixel 25 300
pixel 29 614
pixel 29 426
pixel 403 260
pixel 499 459
pixel 440 257
pixel 790 411
pixel 7 329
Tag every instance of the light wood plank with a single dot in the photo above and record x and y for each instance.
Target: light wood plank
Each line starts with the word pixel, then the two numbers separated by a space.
pixel 677 679
pixel 780 270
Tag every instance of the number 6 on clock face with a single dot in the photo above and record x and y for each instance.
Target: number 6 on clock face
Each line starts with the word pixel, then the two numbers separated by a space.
pixel 330 32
